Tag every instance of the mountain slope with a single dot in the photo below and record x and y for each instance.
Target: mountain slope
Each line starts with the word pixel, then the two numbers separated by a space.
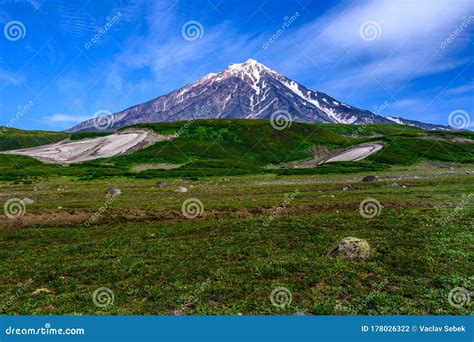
pixel 249 90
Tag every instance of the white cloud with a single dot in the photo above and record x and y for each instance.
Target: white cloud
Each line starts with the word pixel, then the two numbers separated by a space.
pixel 408 43
pixel 65 118
pixel 328 52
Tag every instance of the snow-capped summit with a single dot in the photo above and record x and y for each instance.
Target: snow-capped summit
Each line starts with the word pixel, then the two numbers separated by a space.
pixel 245 90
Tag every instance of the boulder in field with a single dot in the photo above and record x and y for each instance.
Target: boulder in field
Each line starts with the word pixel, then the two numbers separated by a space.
pixel 27 201
pixel 369 179
pixel 181 189
pixel 350 248
pixel 114 191
pixel 161 184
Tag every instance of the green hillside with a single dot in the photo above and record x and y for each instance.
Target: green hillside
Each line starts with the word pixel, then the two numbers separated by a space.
pixel 230 147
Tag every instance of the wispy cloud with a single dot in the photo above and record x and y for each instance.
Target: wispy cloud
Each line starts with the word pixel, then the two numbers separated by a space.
pixel 407 40
pixel 65 118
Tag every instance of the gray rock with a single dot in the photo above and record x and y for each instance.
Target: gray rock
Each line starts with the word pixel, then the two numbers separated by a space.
pixel 27 200
pixel 161 184
pixel 350 248
pixel 181 189
pixel 114 191
pixel 369 179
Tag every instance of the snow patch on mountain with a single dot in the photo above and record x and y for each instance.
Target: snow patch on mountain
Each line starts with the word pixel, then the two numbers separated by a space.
pixel 246 90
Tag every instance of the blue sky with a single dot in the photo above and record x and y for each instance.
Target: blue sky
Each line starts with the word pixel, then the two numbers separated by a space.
pixel 403 58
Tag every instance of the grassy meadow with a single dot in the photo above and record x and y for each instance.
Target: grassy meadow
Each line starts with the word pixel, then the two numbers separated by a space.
pixel 256 229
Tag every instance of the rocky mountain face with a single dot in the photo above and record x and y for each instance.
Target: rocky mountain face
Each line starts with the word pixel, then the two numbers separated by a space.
pixel 248 90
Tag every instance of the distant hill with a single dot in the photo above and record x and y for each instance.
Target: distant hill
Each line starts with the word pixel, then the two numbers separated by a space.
pixel 234 146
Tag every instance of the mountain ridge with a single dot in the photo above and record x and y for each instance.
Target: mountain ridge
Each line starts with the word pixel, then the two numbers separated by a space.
pixel 247 90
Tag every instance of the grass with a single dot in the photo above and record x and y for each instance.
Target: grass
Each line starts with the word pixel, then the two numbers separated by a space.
pixel 73 239
pixel 239 147
pixel 154 259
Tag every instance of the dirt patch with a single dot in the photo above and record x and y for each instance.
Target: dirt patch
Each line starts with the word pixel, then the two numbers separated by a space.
pixel 123 215
pixel 355 153
pixel 322 155
pixel 159 166
pixel 67 152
